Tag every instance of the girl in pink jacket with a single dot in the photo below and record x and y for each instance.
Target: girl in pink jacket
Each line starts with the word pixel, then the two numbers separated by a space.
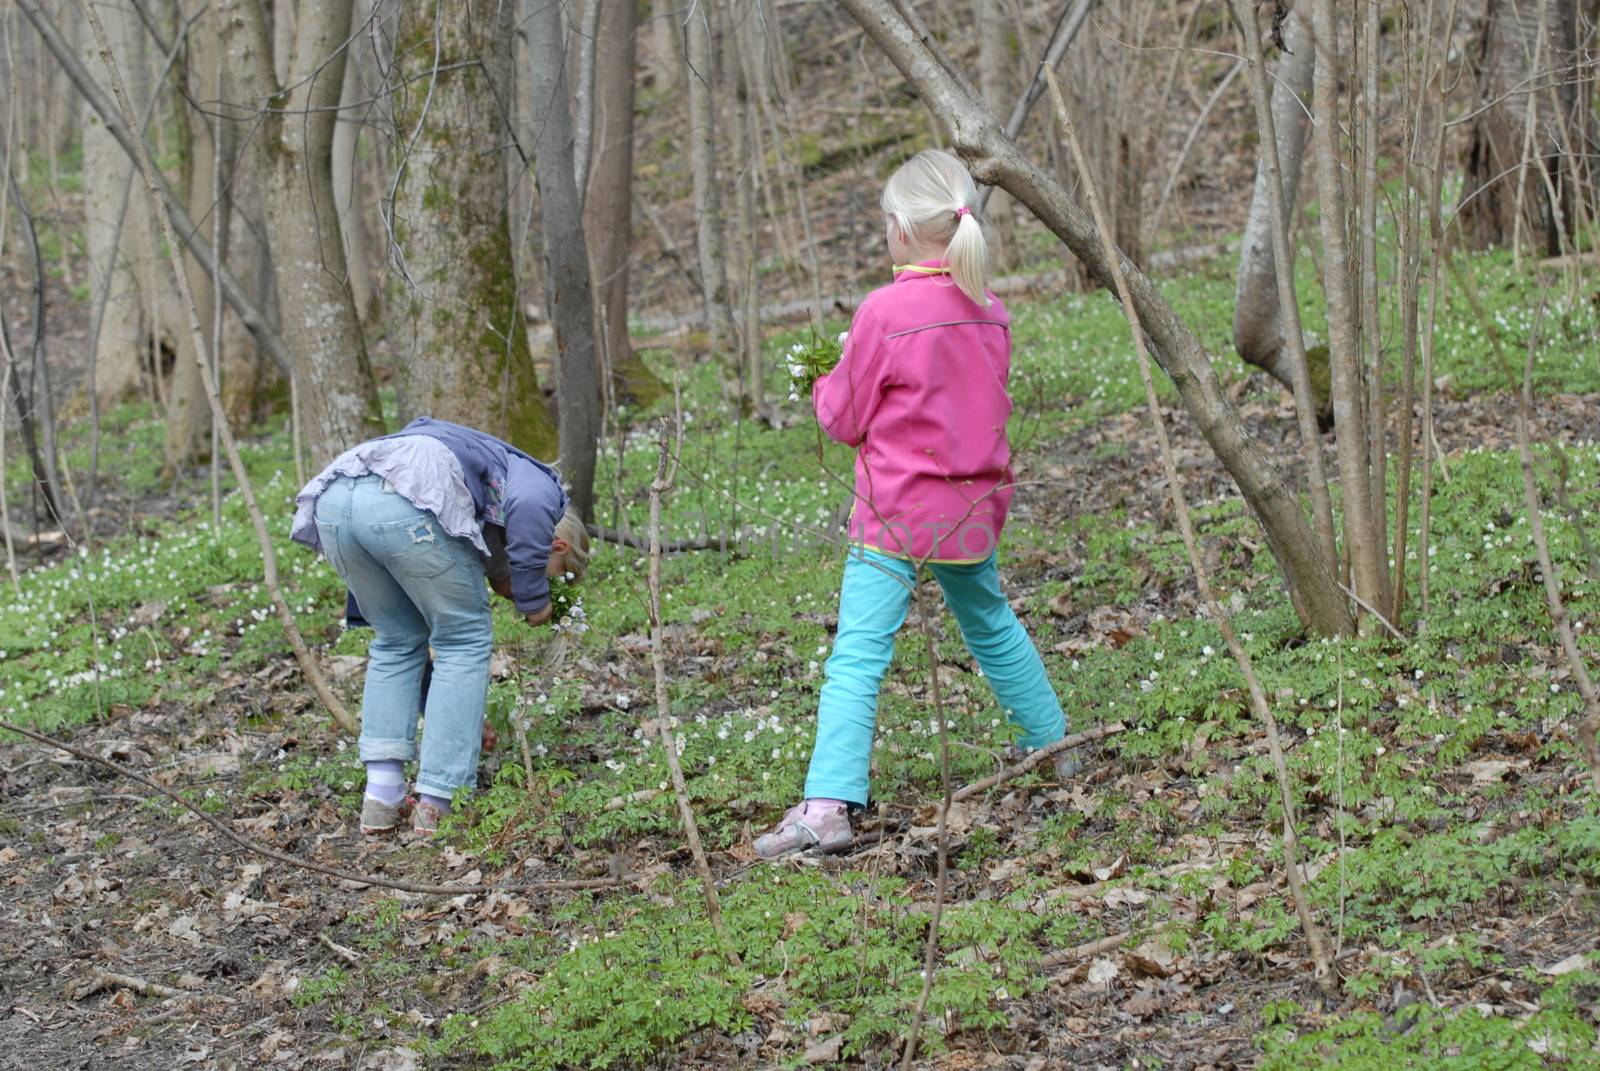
pixel 921 393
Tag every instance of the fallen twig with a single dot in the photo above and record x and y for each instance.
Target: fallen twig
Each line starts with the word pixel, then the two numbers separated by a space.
pixel 1374 611
pixel 644 795
pixel 349 955
pixel 1589 724
pixel 623 538
pixel 1324 975
pixel 102 980
pixel 1085 950
pixel 1034 758
pixel 307 864
pixel 81 801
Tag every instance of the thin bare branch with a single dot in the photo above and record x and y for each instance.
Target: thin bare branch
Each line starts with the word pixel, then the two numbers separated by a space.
pixel 666 472
pixel 1589 723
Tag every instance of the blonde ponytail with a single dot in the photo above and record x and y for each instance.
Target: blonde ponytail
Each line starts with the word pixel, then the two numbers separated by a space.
pixel 968 257
pixel 930 198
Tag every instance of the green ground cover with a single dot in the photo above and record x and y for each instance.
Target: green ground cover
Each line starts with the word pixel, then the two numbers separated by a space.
pixel 1384 735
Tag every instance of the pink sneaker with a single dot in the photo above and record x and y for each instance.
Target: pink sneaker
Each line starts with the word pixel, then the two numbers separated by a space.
pixel 807 825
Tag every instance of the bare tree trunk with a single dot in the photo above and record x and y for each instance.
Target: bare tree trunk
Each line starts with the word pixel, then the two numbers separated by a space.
pixel 188 419
pixel 1371 327
pixel 1425 129
pixel 700 54
pixel 1523 48
pixel 1281 309
pixel 107 184
pixel 284 14
pixel 269 559
pixel 608 204
pixel 666 44
pixel 294 150
pixel 348 190
pixel 462 352
pixel 750 248
pixel 976 136
pixel 583 103
pixel 252 315
pixel 566 254
pixel 1258 327
pixel 1362 544
pixel 32 399
pixel 994 82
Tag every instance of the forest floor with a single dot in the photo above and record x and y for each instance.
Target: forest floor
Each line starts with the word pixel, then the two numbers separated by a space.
pixel 1453 846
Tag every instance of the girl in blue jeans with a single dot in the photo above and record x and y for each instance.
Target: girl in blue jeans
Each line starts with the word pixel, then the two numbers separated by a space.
pixel 920 391
pixel 415 523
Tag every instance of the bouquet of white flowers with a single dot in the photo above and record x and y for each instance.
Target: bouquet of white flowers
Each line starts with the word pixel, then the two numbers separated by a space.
pixel 806 362
pixel 566 605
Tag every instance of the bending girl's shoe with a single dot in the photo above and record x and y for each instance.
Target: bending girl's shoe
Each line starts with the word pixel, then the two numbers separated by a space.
pixel 808 824
pixel 380 819
pixel 425 818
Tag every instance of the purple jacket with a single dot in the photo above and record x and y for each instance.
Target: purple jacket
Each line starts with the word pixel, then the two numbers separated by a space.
pixel 516 502
pixel 517 493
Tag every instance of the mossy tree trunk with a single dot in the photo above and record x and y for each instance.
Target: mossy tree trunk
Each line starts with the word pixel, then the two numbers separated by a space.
pixel 461 348
pixel 294 150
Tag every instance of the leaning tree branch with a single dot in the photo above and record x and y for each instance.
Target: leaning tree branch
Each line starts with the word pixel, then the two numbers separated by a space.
pixel 43 458
pixel 121 127
pixel 269 556
pixel 1073 16
pixel 977 137
pixel 1293 336
pixel 1323 973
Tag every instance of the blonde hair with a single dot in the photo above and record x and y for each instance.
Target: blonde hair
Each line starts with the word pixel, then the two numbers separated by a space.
pixel 571 528
pixel 933 200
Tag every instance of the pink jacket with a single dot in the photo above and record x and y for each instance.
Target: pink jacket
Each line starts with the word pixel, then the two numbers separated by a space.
pixel 921 391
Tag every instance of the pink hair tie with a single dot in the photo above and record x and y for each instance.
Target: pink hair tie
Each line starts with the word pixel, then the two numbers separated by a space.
pixel 963 210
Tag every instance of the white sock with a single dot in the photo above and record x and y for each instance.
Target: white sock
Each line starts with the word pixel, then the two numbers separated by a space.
pixel 386 781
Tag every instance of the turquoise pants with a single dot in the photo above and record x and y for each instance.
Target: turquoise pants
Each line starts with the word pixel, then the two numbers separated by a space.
pixel 872 607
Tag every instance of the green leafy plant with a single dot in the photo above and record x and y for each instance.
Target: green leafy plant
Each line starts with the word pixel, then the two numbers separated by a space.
pixel 808 361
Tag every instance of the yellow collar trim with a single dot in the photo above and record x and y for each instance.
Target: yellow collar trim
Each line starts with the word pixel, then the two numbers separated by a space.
pixel 921 269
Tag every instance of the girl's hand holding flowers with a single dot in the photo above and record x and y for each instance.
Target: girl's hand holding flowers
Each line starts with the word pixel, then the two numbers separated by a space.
pixel 807 363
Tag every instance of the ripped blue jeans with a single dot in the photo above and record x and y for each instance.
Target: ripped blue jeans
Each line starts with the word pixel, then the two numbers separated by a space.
pixel 419 587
